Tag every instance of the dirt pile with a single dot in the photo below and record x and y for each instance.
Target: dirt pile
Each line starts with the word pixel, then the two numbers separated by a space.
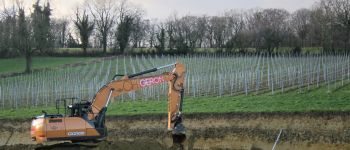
pixel 247 131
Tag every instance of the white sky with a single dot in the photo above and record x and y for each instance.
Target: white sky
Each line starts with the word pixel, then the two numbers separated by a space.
pixel 162 9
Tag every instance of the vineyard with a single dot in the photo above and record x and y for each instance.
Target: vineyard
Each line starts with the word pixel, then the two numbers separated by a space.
pixel 207 75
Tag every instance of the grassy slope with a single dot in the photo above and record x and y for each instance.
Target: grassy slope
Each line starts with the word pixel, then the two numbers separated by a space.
pixel 316 100
pixel 18 64
pixel 292 101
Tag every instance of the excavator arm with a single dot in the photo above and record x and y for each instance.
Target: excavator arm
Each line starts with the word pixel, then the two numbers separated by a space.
pixel 128 83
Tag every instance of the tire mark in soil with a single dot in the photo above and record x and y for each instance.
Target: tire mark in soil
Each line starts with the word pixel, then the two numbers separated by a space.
pixel 8 139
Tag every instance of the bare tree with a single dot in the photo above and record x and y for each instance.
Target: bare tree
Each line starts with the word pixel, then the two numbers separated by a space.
pixel 139 29
pixel 180 35
pixel 8 32
pixel 269 27
pixel 104 13
pixel 188 27
pixel 218 26
pixel 25 38
pixel 210 33
pixel 60 31
pixel 201 27
pixel 151 33
pixel 338 12
pixel 235 31
pixel 121 24
pixel 170 29
pixel 301 24
pixel 123 9
pixel 317 27
pixel 161 38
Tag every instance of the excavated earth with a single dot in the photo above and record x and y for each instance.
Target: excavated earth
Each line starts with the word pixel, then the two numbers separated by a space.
pixel 230 131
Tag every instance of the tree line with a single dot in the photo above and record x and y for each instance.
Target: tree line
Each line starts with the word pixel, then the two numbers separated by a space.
pixel 117 27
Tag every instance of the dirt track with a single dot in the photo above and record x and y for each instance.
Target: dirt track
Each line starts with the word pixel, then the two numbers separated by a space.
pixel 247 131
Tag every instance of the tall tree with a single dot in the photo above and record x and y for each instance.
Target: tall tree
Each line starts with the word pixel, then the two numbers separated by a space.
pixel 85 28
pixel 161 39
pixel 123 32
pixel 151 33
pixel 338 13
pixel 60 32
pixel 170 29
pixel 201 27
pixel 41 23
pixel 236 38
pixel 25 39
pixel 301 24
pixel 8 32
pixel 189 25
pixel 139 30
pixel 218 25
pixel 269 28
pixel 104 13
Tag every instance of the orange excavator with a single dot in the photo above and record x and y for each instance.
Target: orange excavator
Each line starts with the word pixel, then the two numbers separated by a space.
pixel 85 120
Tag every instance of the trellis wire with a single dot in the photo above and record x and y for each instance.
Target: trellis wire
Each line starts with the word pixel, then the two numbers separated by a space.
pixel 207 75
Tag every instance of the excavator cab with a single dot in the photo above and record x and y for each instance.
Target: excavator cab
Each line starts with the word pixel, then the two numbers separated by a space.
pixel 79 109
pixel 73 107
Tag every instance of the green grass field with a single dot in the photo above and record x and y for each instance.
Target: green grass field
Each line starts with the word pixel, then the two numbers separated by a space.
pixel 317 100
pixel 18 64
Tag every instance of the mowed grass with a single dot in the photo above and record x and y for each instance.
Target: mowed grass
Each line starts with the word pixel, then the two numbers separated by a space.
pixel 317 100
pixel 12 65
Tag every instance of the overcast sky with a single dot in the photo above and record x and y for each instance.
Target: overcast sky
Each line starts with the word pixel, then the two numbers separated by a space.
pixel 163 8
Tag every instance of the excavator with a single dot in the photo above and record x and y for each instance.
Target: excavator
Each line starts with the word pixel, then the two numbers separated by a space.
pixel 85 120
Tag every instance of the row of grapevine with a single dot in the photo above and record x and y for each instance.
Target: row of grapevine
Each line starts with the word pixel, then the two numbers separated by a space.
pixel 207 75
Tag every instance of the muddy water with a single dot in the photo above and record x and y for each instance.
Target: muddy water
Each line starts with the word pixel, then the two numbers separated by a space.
pixel 235 131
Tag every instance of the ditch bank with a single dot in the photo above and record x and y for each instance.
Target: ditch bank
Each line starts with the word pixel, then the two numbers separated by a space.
pixel 233 131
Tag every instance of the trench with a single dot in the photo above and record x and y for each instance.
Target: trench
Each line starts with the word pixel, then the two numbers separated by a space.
pixel 229 131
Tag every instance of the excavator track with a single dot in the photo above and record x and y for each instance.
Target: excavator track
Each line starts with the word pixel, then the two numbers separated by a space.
pixel 69 145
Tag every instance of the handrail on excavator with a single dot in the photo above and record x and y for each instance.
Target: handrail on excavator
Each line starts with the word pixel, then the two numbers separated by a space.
pixel 146 71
